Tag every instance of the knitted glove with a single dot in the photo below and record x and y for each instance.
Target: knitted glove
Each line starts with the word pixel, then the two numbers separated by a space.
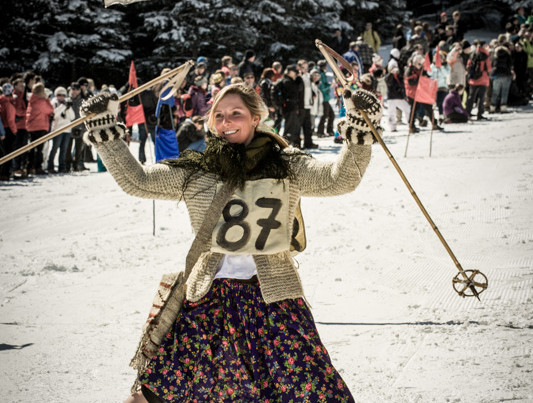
pixel 103 126
pixel 353 127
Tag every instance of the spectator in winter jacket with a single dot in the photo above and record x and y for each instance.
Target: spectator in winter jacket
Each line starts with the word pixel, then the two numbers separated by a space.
pixel 457 68
pixel 7 117
pixel 396 96
pixel 441 75
pixel 328 116
pixel 291 95
pixel 278 71
pixel 191 135
pixel 306 103
pixel 317 109
pixel 459 25
pixel 63 115
pixel 411 79
pixel 75 158
pixel 248 65
pixel 38 116
pixel 479 69
pixel 339 42
pixel 502 75
pixel 21 139
pixel 399 40
pixel 352 55
pixel 371 37
pixel 225 62
pixel 198 93
pixel 453 107
pixel 265 90
pixel 394 60
pixel 365 52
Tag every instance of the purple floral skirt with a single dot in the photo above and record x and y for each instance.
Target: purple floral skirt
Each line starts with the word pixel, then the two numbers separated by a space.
pixel 231 346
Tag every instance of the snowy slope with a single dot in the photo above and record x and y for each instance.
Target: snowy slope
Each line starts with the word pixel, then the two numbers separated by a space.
pixel 80 265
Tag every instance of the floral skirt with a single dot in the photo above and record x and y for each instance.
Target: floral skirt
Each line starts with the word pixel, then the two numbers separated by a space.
pixel 232 347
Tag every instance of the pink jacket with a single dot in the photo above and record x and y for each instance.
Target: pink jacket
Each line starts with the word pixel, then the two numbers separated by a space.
pixel 38 113
pixel 7 113
pixel 486 69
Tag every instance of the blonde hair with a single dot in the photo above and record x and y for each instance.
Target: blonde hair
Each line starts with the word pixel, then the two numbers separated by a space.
pixel 252 101
pixel 39 90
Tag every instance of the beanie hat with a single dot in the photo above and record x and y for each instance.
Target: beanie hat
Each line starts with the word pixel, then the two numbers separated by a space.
pixel 201 59
pixel 314 71
pixel 60 91
pixel 7 89
pixel 395 53
pixel 465 44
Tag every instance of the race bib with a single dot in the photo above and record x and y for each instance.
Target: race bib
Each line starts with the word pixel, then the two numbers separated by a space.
pixel 255 220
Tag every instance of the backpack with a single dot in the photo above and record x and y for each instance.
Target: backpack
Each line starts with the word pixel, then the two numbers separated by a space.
pixel 476 71
pixel 276 92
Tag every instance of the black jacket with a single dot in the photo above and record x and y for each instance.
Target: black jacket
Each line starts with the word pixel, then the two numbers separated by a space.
pixel 395 86
pixel 187 134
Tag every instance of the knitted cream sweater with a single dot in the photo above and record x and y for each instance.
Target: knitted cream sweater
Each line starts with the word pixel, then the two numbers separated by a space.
pixel 277 274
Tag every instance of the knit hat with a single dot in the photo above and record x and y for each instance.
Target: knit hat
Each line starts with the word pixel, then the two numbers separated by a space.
pixel 443 14
pixel 465 44
pixel 7 89
pixel 201 59
pixel 248 54
pixel 395 53
pixel 314 71
pixel 60 91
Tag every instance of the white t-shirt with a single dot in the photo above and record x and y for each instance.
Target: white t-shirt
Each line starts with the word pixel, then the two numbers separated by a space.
pixel 241 267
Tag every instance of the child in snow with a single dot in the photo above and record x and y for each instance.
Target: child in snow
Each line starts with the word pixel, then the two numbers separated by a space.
pixel 244 332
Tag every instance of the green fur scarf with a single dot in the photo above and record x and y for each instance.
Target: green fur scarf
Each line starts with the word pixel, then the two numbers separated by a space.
pixel 236 163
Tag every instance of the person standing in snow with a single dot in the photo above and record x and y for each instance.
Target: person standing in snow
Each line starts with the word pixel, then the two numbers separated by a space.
pixel 244 332
pixel 38 116
pixel 63 115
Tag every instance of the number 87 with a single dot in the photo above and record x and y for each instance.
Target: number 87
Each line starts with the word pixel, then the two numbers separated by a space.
pixel 266 224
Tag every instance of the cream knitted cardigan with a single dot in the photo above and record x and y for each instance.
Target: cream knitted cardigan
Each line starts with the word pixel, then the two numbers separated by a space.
pixel 277 274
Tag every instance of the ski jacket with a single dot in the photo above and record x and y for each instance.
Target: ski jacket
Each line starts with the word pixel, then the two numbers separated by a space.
pixel 63 114
pixel 457 68
pixel 395 86
pixel 38 114
pixel 276 270
pixel 7 114
pixel 502 64
pixel 486 67
pixel 372 38
pixel 20 109
pixel 452 103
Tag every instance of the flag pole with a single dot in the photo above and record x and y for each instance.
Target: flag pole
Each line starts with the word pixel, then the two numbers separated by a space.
pixel 172 73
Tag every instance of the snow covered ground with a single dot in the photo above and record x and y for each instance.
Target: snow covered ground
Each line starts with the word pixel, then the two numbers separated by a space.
pixel 79 266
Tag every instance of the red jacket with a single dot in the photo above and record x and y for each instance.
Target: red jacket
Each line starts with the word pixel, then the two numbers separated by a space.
pixel 38 113
pixel 486 69
pixel 7 113
pixel 20 109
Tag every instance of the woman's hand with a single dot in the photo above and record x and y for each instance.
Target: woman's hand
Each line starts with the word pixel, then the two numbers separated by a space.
pixel 354 127
pixel 103 125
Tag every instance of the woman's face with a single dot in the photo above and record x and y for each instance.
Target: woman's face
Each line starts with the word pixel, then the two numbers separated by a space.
pixel 233 120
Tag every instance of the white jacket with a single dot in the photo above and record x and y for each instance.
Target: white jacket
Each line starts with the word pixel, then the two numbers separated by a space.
pixel 62 115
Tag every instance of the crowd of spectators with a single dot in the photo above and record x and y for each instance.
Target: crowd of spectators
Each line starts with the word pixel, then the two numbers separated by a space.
pixel 303 98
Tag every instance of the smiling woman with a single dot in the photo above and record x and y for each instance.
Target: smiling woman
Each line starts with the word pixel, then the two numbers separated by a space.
pixel 244 331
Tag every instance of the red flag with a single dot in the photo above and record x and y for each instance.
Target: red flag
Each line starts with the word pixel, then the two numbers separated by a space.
pixel 438 61
pixel 426 92
pixel 134 114
pixel 427 63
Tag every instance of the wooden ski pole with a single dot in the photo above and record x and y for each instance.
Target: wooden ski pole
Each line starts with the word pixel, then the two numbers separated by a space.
pixel 184 68
pixel 468 282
